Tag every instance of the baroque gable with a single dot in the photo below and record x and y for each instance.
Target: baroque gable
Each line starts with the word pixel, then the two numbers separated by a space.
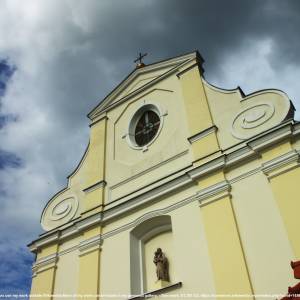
pixel 141 79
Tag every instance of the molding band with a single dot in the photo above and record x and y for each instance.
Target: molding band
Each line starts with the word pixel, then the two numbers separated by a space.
pixel 156 292
pixel 244 152
pixel 281 164
pixel 100 184
pixel 214 192
pixel 44 263
pixel 90 245
pixel 202 134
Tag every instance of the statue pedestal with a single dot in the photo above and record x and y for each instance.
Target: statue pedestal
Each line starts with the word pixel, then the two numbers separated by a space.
pixel 159 284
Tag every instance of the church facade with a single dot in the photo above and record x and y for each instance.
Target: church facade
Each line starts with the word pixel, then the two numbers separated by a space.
pixel 185 189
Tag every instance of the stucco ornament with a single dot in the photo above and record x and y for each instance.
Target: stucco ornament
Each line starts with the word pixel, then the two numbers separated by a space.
pixel 162 265
pixel 250 120
pixel 58 212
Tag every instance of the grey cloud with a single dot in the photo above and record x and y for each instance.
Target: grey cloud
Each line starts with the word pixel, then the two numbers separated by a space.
pixel 70 54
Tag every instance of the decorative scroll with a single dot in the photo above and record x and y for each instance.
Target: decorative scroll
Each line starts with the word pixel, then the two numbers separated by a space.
pixel 246 122
pixel 59 212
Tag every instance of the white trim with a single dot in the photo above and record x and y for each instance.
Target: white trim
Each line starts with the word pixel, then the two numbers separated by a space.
pixel 202 134
pixel 44 263
pixel 270 137
pixel 245 175
pixel 49 259
pixel 212 193
pixel 90 245
pixel 156 231
pixel 216 189
pixel 208 167
pixel 100 184
pixel 274 167
pixel 148 170
pixel 156 292
pixel 220 90
pixel 141 261
pixel 133 120
pixel 245 151
pixel 42 241
pixel 108 102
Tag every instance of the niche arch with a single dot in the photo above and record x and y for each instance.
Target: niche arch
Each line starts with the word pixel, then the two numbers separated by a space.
pixel 144 238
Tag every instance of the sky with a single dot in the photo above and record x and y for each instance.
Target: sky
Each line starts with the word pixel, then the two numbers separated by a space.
pixel 59 58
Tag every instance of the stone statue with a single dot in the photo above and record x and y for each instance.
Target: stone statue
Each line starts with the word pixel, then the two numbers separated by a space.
pixel 162 266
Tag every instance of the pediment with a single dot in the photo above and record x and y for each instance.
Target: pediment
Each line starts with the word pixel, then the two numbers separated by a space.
pixel 142 78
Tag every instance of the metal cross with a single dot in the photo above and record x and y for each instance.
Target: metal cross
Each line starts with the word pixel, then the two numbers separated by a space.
pixel 140 58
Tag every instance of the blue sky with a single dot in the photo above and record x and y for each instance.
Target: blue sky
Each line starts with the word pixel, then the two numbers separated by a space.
pixel 59 58
pixel 16 261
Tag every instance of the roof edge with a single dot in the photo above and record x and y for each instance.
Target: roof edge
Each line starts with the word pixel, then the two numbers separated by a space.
pixel 147 68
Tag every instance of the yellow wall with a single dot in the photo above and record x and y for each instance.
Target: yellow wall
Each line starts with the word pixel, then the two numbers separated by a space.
pixel 67 264
pixel 89 265
pixel 225 248
pixel 286 192
pixel 44 280
pixel 238 241
pixel 267 249
pixel 115 266
pixel 43 285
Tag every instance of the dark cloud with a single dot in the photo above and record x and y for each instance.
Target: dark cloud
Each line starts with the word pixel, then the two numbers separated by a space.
pixel 109 40
pixel 70 54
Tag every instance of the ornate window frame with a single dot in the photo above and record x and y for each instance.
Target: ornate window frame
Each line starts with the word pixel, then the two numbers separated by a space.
pixel 129 135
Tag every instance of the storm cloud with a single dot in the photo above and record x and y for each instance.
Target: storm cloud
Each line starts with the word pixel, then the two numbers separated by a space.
pixel 67 55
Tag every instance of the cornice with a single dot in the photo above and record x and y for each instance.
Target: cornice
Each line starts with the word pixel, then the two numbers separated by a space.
pixel 44 263
pixel 202 134
pixel 90 245
pixel 100 184
pixel 157 292
pixel 44 240
pixel 214 192
pixel 274 135
pixel 227 159
pixel 174 63
pixel 281 164
pixel 208 167
pixel 149 170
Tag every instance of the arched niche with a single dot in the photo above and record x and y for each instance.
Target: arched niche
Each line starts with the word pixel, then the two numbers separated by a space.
pixel 145 238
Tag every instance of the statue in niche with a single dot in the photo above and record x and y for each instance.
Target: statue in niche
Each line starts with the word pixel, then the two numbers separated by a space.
pixel 162 265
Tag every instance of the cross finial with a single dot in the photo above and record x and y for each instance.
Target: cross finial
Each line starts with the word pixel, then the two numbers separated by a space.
pixel 139 60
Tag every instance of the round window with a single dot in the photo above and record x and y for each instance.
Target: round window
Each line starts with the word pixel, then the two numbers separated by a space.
pixel 146 127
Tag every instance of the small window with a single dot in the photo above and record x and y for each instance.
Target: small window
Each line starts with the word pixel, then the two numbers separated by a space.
pixel 146 128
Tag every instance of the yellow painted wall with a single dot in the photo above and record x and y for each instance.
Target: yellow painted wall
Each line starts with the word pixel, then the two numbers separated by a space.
pixel 225 250
pixel 47 250
pixel 285 188
pixel 44 281
pixel 89 265
pixel 43 285
pixel 128 169
pixel 237 245
pixel 267 249
pixel 67 264
pixel 197 109
pixel 191 255
pixel 115 265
